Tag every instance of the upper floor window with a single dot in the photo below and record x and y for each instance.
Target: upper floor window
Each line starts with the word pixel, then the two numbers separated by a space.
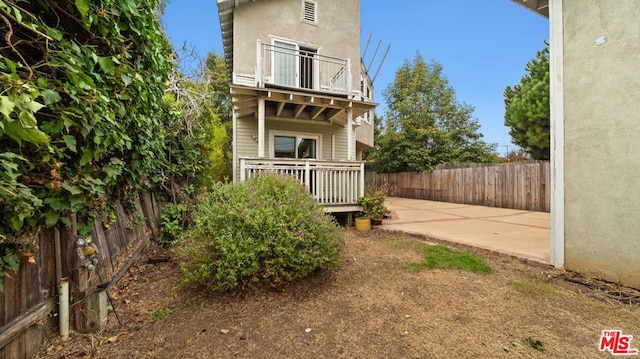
pixel 310 11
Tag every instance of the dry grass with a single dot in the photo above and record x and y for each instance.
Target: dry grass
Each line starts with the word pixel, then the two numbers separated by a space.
pixel 370 307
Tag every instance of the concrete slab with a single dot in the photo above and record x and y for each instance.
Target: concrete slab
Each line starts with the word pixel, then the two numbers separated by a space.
pixel 522 234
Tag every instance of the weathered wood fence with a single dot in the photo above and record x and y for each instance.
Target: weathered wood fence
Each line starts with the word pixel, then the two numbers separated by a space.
pixel 29 303
pixel 519 185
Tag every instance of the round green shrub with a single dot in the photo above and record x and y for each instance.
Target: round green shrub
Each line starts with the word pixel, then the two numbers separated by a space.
pixel 265 231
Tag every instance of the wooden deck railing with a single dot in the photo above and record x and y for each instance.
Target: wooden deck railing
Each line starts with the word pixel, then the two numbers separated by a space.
pixel 334 184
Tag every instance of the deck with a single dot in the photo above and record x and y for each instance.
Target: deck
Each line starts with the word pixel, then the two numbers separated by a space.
pixel 336 185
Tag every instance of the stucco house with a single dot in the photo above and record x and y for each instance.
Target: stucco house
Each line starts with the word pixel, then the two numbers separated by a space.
pixel 595 123
pixel 302 98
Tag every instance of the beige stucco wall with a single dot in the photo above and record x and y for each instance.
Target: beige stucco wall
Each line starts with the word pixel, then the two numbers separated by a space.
pixel 336 34
pixel 602 132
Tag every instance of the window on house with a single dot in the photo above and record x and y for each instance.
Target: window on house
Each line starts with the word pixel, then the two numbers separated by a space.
pixel 293 65
pixel 301 147
pixel 284 63
pixel 309 12
pixel 306 68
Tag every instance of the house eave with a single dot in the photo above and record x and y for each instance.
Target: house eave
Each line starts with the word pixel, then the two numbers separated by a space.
pixel 225 13
pixel 540 7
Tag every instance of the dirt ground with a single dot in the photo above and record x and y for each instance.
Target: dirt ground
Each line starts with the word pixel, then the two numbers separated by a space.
pixel 369 307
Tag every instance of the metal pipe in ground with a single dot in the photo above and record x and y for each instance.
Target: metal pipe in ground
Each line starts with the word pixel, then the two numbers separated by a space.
pixel 63 310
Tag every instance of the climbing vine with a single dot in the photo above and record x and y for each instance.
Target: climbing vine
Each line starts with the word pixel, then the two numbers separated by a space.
pixel 81 110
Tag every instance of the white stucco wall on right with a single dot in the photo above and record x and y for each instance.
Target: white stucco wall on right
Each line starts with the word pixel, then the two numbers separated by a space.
pixel 602 138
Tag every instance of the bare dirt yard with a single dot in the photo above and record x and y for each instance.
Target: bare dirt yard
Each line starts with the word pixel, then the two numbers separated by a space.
pixel 368 307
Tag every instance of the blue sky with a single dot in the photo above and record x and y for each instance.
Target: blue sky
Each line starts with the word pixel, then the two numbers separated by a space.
pixel 482 45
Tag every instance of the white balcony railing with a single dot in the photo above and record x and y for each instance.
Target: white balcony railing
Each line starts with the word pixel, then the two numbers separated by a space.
pixel 332 183
pixel 290 66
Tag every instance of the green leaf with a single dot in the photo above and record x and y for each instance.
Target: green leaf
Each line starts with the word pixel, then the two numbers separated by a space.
pixel 11 65
pixel 70 141
pixel 536 344
pixel 11 260
pixel 16 223
pixel 111 171
pixel 517 345
pixel 66 221
pixel 75 200
pixel 106 64
pixel 6 105
pixel 87 156
pixel 17 13
pixel 75 190
pixel 126 79
pixel 51 218
pixel 33 106
pixel 54 202
pixel 27 129
pixel 50 97
pixel 54 33
pixel 83 7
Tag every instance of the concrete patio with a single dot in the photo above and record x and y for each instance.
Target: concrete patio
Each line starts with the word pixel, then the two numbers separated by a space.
pixel 517 233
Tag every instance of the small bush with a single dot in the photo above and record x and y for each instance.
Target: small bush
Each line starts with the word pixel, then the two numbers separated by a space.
pixel 265 231
pixel 372 203
pixel 171 222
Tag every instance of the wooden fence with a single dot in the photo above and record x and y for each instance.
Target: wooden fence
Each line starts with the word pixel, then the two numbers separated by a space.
pixel 519 185
pixel 30 297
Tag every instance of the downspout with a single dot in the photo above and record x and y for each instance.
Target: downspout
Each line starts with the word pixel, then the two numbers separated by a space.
pixel 63 289
pixel 350 135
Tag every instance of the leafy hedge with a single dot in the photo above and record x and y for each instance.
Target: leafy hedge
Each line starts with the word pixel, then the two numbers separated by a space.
pixel 82 112
pixel 266 231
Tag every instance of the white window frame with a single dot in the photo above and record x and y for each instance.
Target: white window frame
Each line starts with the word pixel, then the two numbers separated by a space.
pixel 306 46
pixel 315 12
pixel 297 135
pixel 296 56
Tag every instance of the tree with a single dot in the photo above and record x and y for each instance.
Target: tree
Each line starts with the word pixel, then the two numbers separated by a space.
pixel 199 137
pixel 425 125
pixel 527 108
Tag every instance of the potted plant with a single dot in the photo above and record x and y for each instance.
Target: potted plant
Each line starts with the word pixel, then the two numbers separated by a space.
pixel 373 207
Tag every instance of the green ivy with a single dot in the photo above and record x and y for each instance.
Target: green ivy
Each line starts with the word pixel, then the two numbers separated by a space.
pixel 9 261
pixel 82 109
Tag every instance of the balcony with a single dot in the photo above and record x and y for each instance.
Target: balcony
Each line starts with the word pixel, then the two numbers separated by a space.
pixel 336 185
pixel 286 65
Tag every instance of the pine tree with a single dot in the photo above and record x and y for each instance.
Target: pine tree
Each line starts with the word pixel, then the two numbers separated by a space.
pixel 527 108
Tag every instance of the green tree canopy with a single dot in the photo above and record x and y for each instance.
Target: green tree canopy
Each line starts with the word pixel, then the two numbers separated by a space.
pixel 425 125
pixel 201 135
pixel 527 109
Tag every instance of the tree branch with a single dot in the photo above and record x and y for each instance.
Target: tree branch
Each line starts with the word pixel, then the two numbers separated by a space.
pixel 23 24
pixel 7 38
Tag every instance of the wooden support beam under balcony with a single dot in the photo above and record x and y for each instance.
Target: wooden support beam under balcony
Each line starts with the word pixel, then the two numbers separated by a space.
pixel 296 105
pixel 298 110
pixel 316 112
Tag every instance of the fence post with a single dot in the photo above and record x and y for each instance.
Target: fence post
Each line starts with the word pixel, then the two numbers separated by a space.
pixel 242 170
pixel 361 186
pixel 307 175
